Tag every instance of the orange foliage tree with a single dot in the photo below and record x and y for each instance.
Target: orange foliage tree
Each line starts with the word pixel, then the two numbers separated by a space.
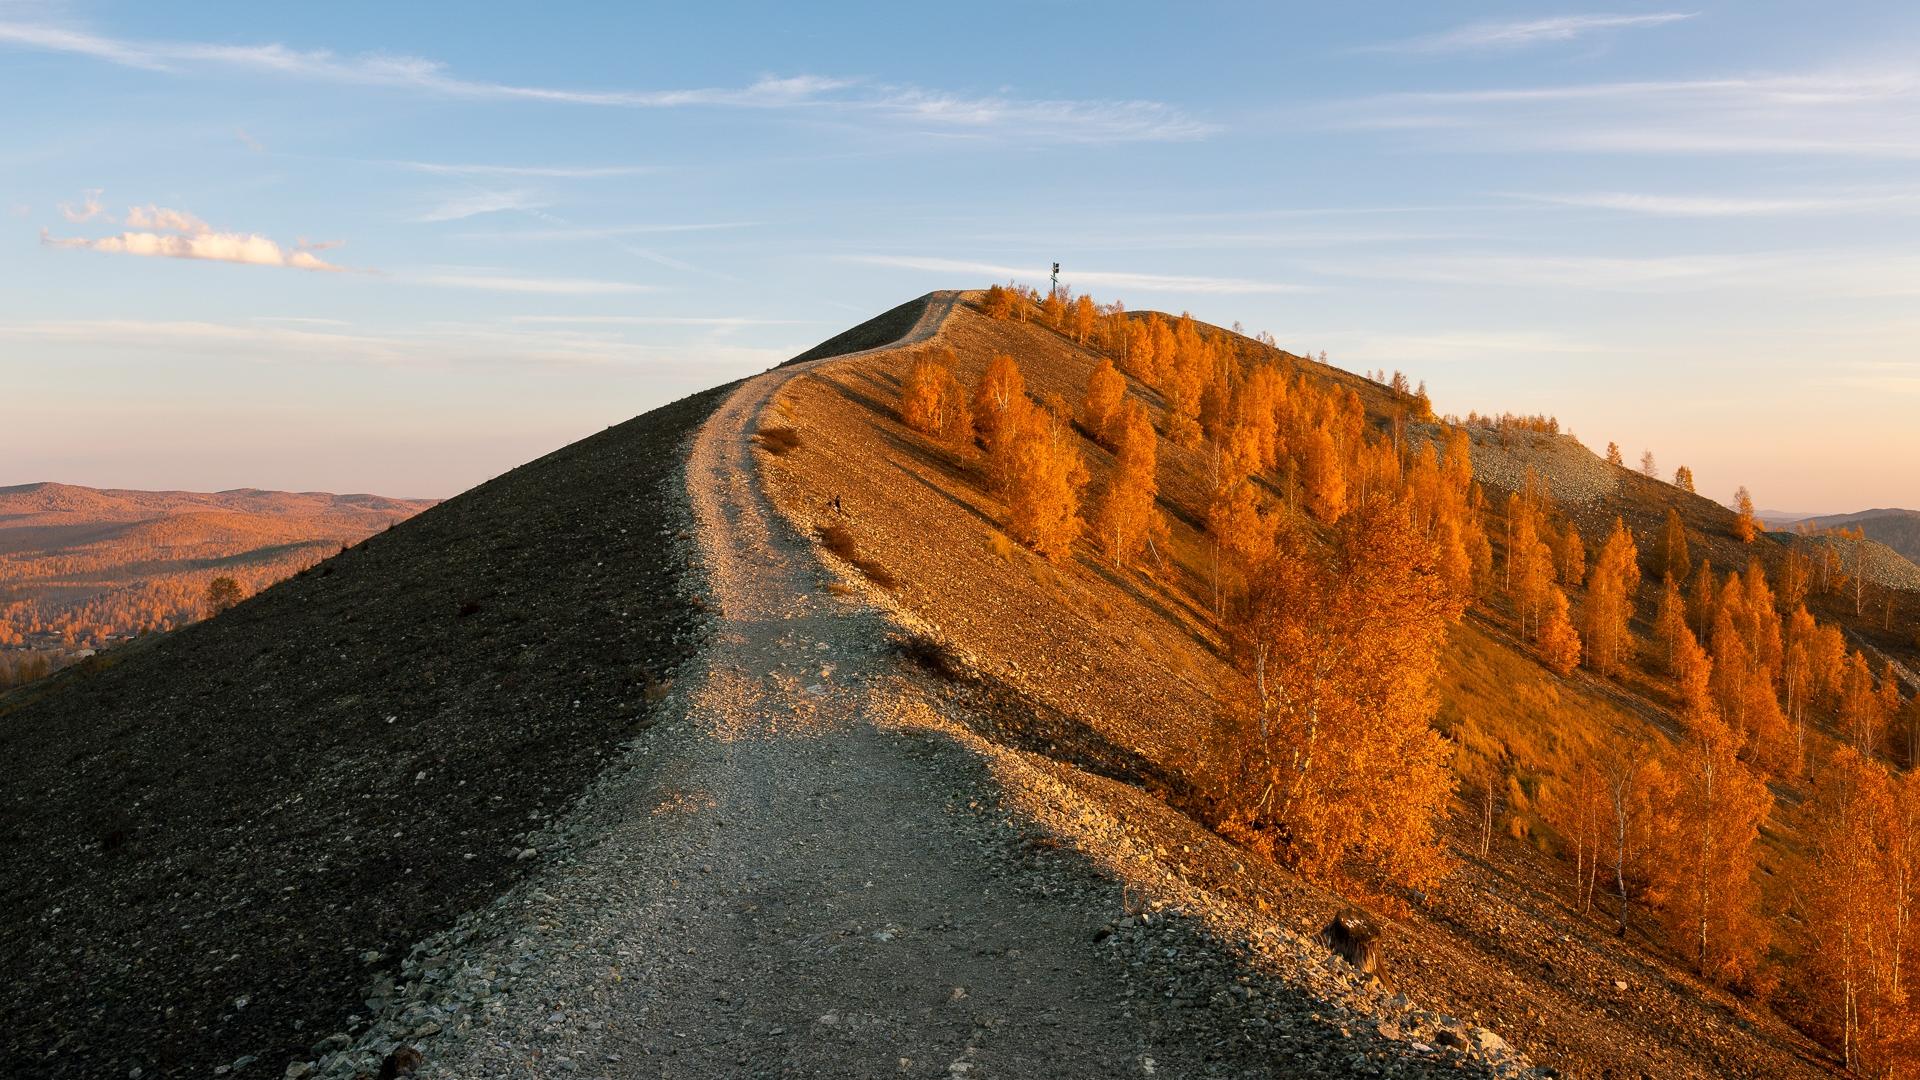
pixel 934 403
pixel 1711 810
pixel 1609 608
pixel 1334 758
pixel 1560 645
pixel 1745 525
pixel 1082 319
pixel 1106 389
pixel 1005 302
pixel 1125 519
pixel 1671 556
pixel 1044 477
pixel 1857 886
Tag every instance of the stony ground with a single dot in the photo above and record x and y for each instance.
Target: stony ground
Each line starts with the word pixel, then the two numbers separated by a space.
pixel 211 844
pixel 811 871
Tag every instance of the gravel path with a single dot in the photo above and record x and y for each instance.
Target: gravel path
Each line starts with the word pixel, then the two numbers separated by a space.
pixel 783 881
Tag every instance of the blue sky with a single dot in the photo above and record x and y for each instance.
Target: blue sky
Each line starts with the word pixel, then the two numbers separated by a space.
pixel 401 248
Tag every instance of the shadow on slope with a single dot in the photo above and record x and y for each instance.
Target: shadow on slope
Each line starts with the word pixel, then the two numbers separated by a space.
pixel 212 842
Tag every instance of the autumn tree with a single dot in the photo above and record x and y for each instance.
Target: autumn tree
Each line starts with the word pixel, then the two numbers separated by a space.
pixel 1613 455
pixel 1683 478
pixel 1647 468
pixel 1581 814
pixel 1857 890
pixel 1106 389
pixel 1745 525
pixel 1530 565
pixel 222 593
pixel 1611 588
pixel 1671 557
pixel 1634 778
pixel 1242 536
pixel 934 403
pixel 1004 302
pixel 1861 718
pixel 1045 476
pixel 1125 519
pixel 1137 353
pixel 1334 758
pixel 1324 476
pixel 1892 706
pixel 1670 621
pixel 1082 320
pixel 1570 553
pixel 1560 645
pixel 1000 403
pixel 1712 807
pixel 1053 310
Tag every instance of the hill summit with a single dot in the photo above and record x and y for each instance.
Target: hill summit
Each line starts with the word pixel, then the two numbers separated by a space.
pixel 1005 686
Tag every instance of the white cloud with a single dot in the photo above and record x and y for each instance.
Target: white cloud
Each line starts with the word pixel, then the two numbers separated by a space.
pixel 1855 112
pixel 460 207
pixel 156 217
pixel 945 113
pixel 250 248
pixel 602 232
pixel 1800 274
pixel 541 286
pixel 1717 206
pixel 321 342
pixel 713 322
pixel 181 235
pixel 1526 32
pixel 1173 283
pixel 1363 348
pixel 553 172
pixel 88 209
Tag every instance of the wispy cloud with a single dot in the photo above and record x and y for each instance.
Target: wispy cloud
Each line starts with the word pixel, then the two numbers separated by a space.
pixel 461 207
pixel 720 321
pixel 1721 206
pixel 88 209
pixel 1115 279
pixel 488 282
pixel 1523 33
pixel 329 343
pixel 1365 348
pixel 606 232
pixel 1855 274
pixel 930 110
pixel 1859 113
pixel 548 172
pixel 159 232
pixel 157 217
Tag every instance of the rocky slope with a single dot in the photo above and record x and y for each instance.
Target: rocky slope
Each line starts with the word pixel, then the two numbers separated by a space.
pixel 209 844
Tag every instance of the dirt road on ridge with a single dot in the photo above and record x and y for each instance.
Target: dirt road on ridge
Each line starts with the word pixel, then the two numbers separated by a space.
pixel 791 889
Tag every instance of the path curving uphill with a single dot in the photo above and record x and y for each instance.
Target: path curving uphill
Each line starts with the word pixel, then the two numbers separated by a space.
pixel 785 881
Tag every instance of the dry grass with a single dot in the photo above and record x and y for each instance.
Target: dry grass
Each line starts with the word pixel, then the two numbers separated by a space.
pixel 839 539
pixel 777 441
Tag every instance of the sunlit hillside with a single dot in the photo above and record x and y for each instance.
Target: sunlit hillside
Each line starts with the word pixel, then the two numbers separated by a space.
pixel 81 568
pixel 1138 646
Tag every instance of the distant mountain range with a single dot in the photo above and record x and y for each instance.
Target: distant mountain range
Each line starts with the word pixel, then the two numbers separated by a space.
pixel 81 567
pixel 1898 529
